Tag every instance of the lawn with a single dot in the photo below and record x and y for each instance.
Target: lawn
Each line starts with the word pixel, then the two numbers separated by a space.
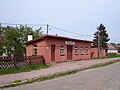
pixel 26 68
pixel 115 56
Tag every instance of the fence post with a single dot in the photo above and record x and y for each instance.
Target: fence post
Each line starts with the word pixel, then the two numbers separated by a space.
pixel 15 64
pixel 30 60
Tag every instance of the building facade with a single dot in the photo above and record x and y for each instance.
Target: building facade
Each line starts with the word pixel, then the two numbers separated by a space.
pixel 94 52
pixel 58 48
pixel 112 50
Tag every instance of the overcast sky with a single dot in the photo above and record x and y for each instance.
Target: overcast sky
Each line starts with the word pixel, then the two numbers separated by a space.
pixel 79 16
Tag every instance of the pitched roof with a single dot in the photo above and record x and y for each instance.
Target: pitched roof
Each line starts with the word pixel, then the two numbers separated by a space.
pixel 111 47
pixel 53 36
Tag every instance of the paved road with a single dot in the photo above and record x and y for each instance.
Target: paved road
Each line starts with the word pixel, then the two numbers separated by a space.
pixel 104 78
pixel 55 68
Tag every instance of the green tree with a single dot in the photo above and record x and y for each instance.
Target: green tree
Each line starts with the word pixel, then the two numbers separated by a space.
pixel 37 33
pixel 14 38
pixel 1 45
pixel 103 36
pixel 1 41
pixel 11 42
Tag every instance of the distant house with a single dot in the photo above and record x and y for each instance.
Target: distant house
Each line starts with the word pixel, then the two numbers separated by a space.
pixel 112 50
pixel 117 46
pixel 59 48
pixel 94 52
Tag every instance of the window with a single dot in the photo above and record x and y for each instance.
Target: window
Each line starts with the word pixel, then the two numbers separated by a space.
pixel 62 50
pixel 81 51
pixel 34 49
pixel 86 50
pixel 76 51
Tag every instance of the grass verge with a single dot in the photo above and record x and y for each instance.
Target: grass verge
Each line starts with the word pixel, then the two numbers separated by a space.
pixel 56 75
pixel 26 68
pixel 115 56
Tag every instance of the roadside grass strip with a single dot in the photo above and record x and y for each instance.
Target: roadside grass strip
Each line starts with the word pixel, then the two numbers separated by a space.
pixel 56 75
pixel 102 58
pixel 25 68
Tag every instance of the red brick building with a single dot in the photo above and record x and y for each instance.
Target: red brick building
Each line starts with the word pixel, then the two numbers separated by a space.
pixel 94 52
pixel 58 48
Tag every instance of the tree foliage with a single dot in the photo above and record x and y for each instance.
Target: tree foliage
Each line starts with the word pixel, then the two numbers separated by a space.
pixel 103 36
pixel 13 38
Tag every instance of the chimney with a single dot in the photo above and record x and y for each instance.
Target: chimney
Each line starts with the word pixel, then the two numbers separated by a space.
pixel 30 36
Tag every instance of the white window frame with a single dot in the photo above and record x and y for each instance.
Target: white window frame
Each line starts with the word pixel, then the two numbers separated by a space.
pixel 76 50
pixel 81 50
pixel 62 50
pixel 34 50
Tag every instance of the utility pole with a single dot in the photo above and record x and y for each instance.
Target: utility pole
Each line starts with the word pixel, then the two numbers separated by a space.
pixel 0 29
pixel 47 28
pixel 98 44
pixel 0 25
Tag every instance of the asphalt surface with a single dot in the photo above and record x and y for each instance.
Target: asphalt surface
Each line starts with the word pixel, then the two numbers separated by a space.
pixel 103 78
pixel 55 68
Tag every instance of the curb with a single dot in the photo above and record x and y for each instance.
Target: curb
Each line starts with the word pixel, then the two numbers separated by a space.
pixel 55 75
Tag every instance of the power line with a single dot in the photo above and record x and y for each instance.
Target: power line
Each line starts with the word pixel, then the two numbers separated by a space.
pixel 90 35
pixel 69 31
pixel 47 28
pixel 24 24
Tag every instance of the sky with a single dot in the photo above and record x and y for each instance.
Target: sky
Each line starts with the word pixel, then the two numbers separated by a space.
pixel 78 16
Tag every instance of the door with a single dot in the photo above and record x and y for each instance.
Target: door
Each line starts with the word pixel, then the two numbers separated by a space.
pixel 92 53
pixel 69 52
pixel 52 53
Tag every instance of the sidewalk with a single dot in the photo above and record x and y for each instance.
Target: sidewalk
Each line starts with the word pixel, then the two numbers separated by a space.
pixel 55 68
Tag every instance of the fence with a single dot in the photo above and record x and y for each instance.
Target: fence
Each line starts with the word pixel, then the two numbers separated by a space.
pixel 35 59
pixel 19 61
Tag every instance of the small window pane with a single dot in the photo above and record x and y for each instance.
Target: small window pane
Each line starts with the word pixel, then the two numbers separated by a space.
pixel 81 50
pixel 34 49
pixel 76 50
pixel 86 50
pixel 61 50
